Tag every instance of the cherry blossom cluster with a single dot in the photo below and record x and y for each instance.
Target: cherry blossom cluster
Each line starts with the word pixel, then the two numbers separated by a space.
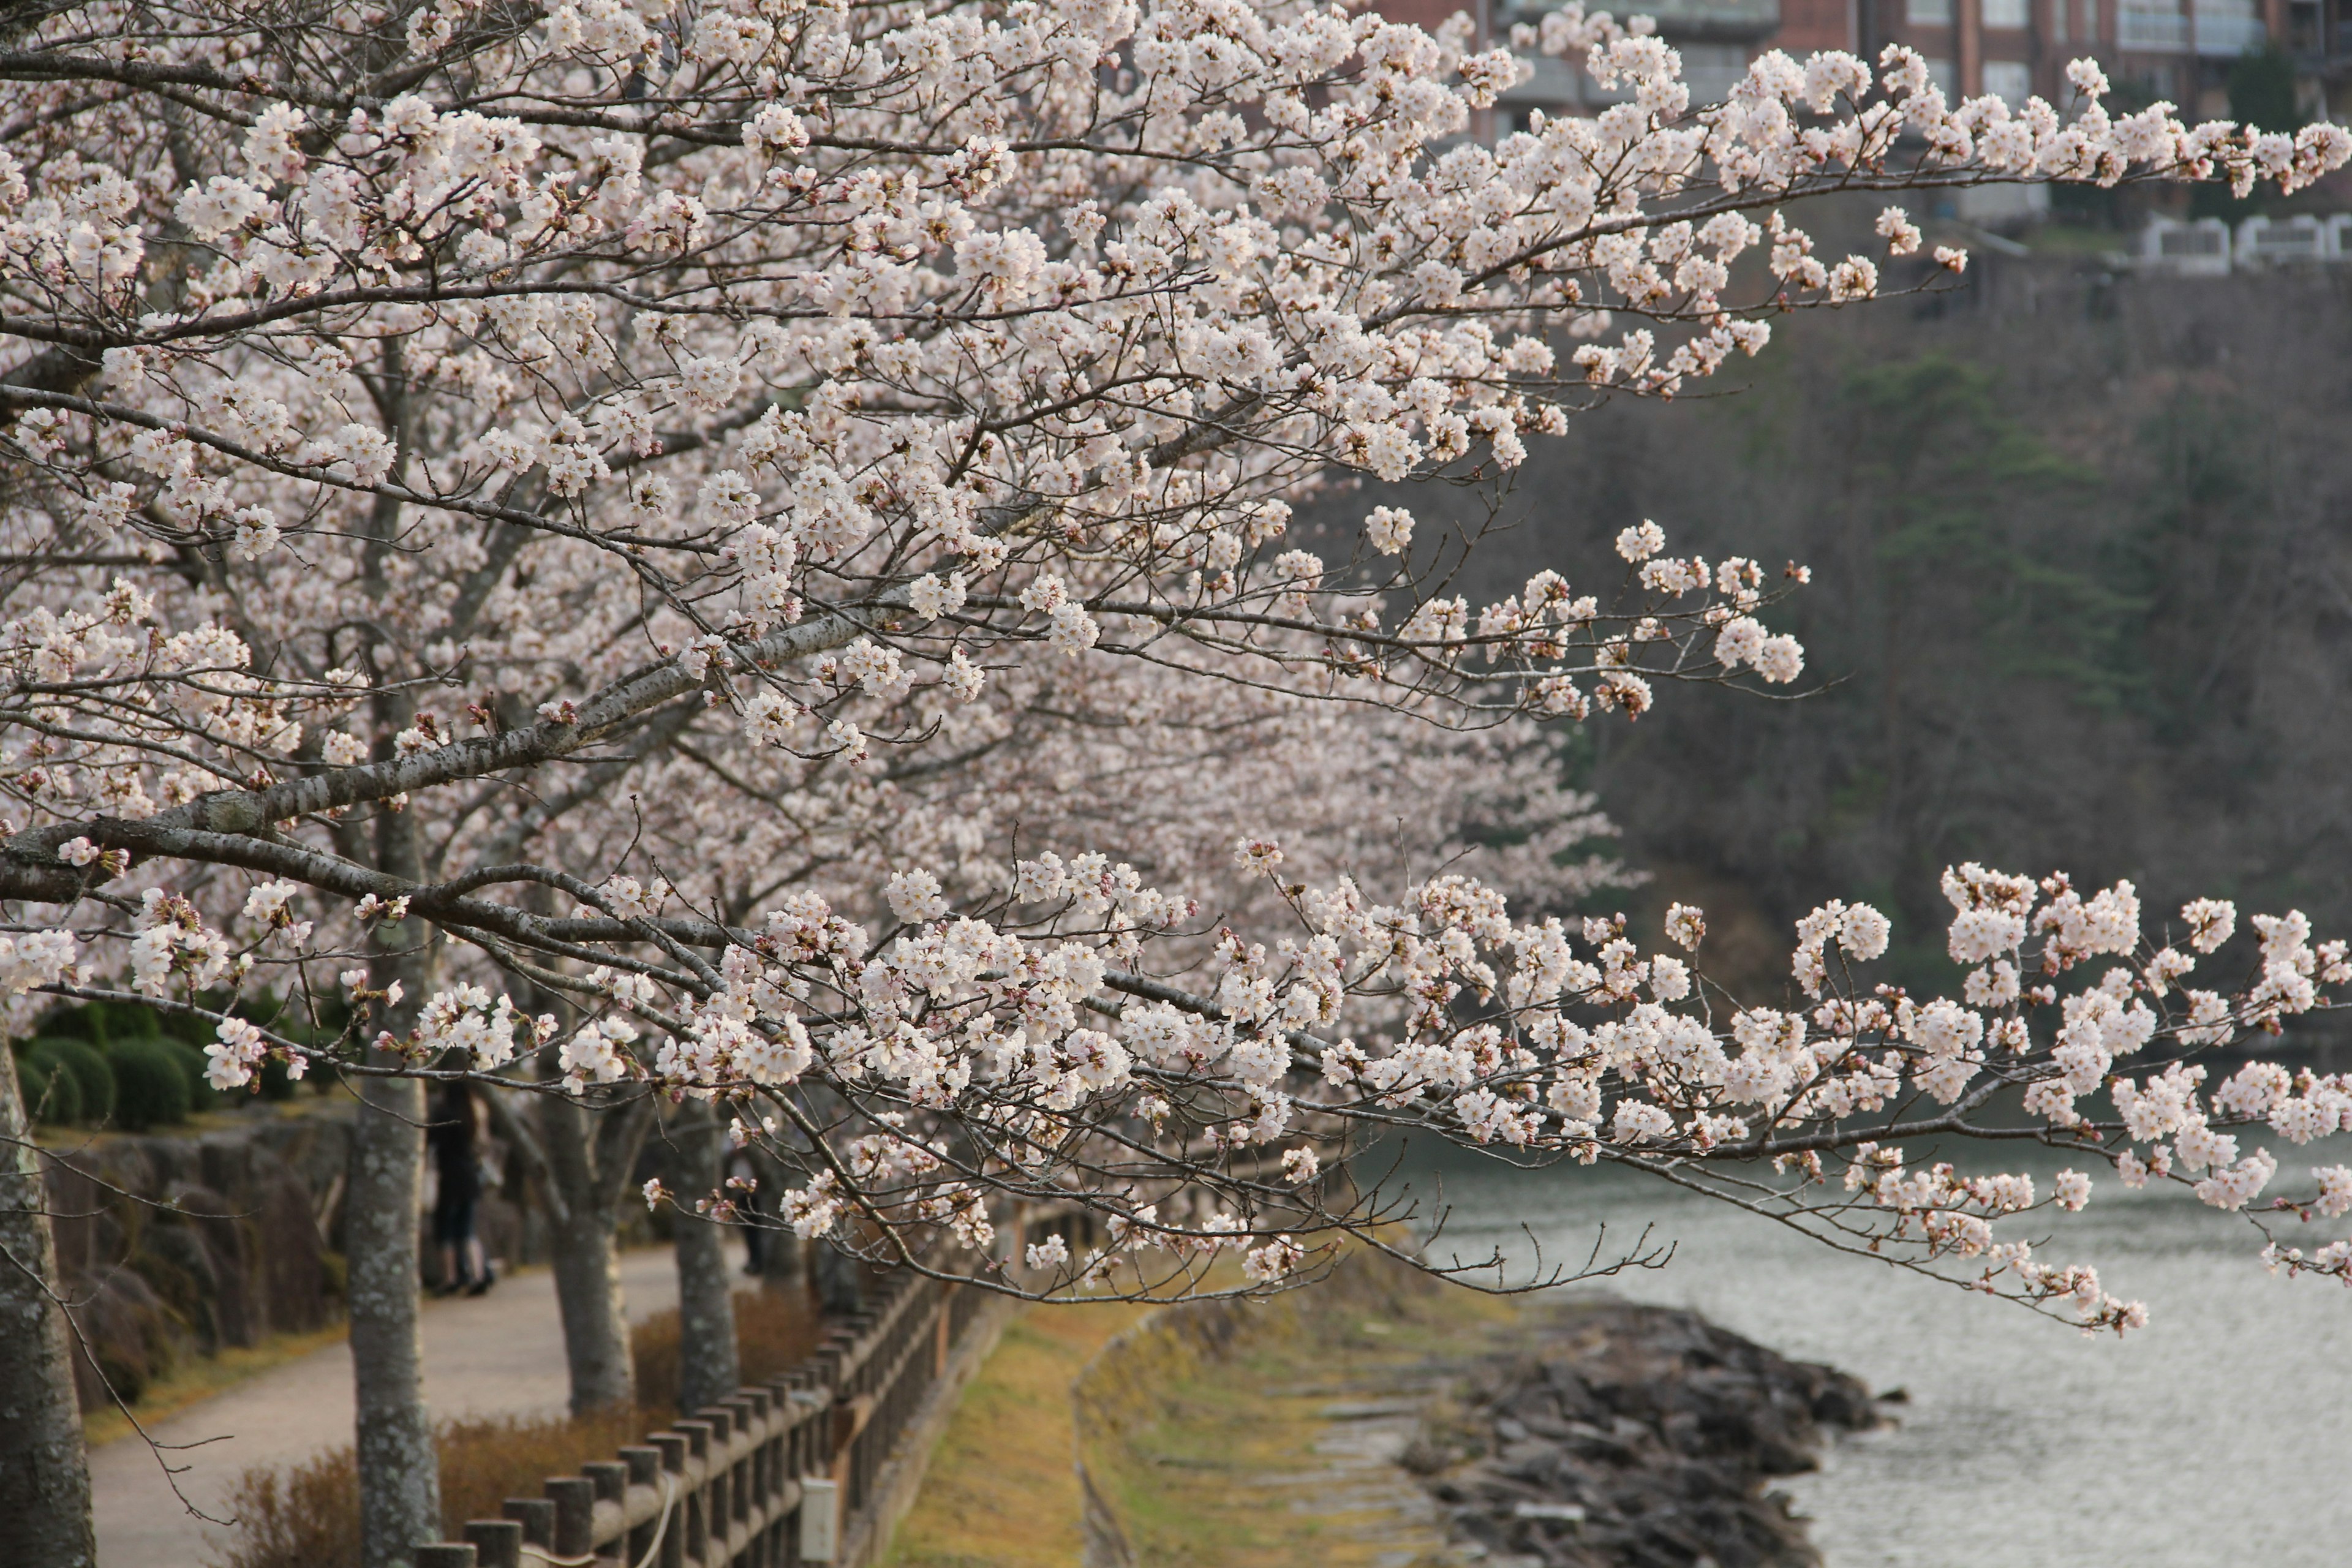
pixel 576 544
pixel 864 342
pixel 1029 1050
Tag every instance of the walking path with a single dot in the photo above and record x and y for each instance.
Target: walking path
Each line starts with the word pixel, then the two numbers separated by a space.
pixel 499 1355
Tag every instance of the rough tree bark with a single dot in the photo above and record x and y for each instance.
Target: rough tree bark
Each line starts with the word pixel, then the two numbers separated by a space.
pixel 707 1369
pixel 399 1470
pixel 586 1155
pixel 785 1263
pixel 43 1469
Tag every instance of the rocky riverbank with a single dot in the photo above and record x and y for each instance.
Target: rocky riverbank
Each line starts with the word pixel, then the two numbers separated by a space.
pixel 1632 1437
pixel 1381 1418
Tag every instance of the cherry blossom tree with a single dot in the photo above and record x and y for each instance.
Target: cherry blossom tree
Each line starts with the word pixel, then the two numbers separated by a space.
pixel 767 529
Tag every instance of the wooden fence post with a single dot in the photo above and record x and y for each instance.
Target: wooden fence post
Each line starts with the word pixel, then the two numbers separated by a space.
pixel 764 1479
pixel 536 1517
pixel 574 1498
pixel 497 1542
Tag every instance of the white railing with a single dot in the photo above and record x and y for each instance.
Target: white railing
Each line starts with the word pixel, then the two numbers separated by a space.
pixel 2266 241
pixel 2200 248
pixel 2208 248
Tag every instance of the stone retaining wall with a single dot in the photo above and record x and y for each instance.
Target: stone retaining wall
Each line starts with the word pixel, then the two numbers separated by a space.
pixel 177 1245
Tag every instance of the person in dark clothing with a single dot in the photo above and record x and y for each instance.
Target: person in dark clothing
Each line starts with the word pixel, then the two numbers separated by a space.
pixel 457 1133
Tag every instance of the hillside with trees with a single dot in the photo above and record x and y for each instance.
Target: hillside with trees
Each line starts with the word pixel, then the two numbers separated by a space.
pixel 2084 591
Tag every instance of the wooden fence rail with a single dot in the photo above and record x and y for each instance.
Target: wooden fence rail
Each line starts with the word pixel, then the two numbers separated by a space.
pixel 783 1472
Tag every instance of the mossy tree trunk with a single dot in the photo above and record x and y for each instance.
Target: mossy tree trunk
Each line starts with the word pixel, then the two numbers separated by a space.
pixel 45 1520
pixel 586 1155
pixel 399 1471
pixel 707 1369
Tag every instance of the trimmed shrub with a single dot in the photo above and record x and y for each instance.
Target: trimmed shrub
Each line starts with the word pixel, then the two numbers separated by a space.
pixel 202 1095
pixel 53 1097
pixel 185 1027
pixel 89 1070
pixel 109 1022
pixel 151 1083
pixel 276 1086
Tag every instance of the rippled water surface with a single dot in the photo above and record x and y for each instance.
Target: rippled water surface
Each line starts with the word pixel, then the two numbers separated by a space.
pixel 2222 1435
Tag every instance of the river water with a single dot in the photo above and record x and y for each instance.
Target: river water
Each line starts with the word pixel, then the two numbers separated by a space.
pixel 2220 1436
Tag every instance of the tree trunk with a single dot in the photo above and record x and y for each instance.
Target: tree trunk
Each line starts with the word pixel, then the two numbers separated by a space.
pixel 596 1348
pixel 400 1474
pixel 44 1470
pixel 784 1262
pixel 708 1369
pixel 578 1144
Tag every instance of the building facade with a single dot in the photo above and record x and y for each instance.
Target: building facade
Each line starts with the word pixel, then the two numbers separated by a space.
pixel 2177 49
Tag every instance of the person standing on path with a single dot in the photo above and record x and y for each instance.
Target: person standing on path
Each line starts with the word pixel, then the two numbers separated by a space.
pixel 457 1135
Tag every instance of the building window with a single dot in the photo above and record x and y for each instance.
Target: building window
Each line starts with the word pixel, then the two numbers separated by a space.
pixel 1941 76
pixel 2151 26
pixel 1712 70
pixel 2060 14
pixel 1928 13
pixel 2007 14
pixel 2009 80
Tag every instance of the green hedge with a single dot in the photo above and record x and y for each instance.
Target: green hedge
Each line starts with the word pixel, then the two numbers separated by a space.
pixel 113 1064
pixel 132 1067
pixel 152 1082
pixel 86 1066
pixel 51 1097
